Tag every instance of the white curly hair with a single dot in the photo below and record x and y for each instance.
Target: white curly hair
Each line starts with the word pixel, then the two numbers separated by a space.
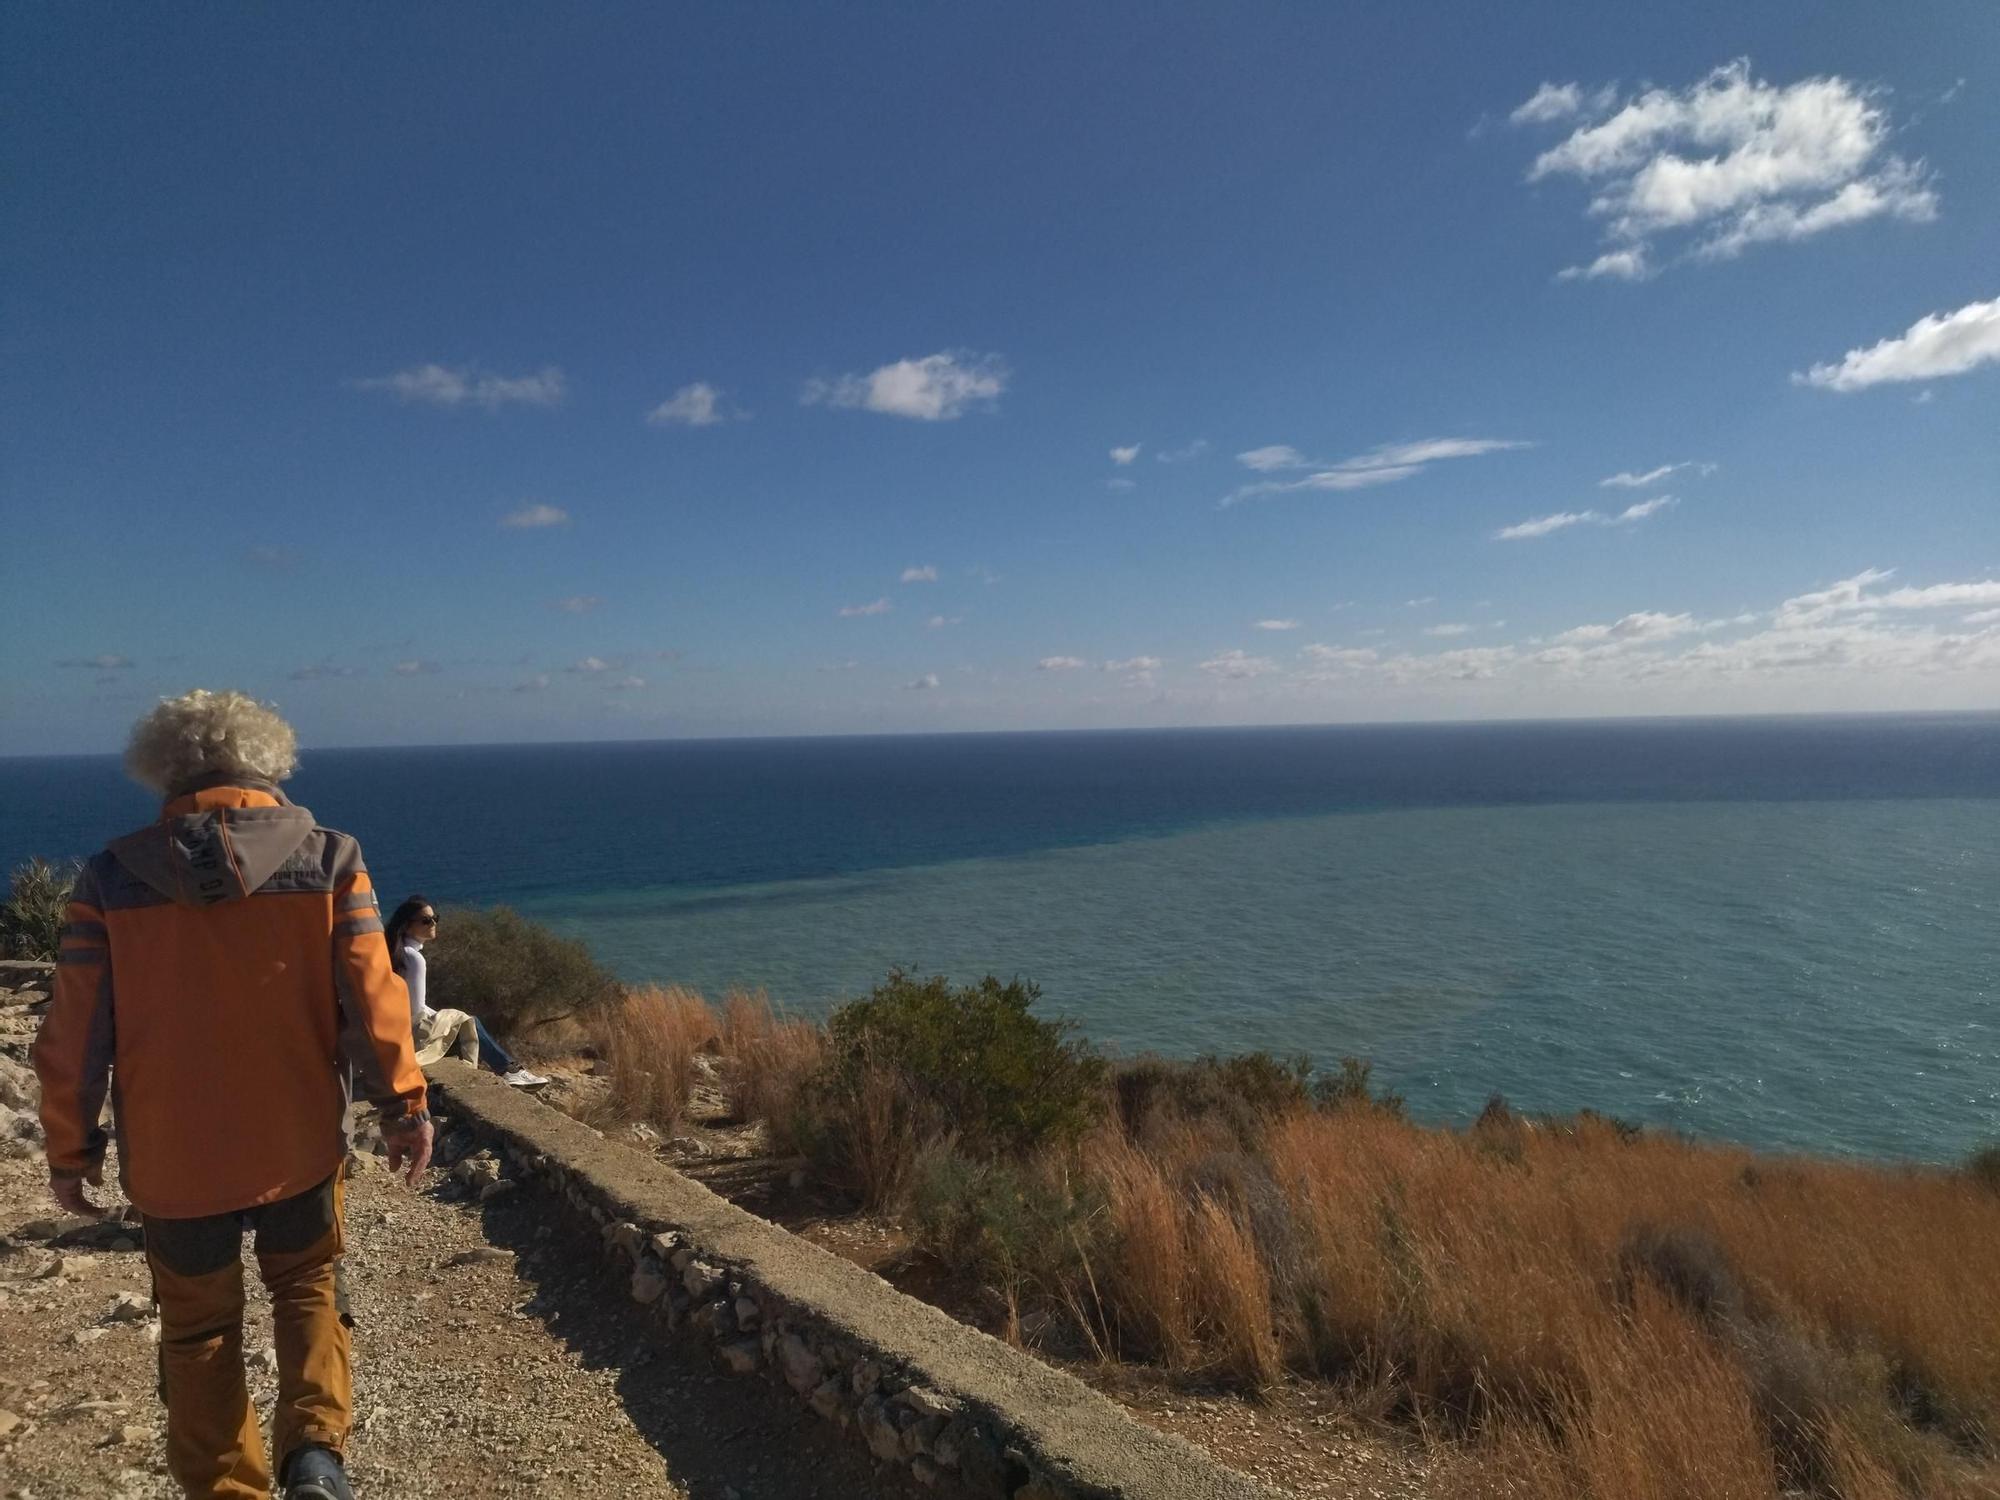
pixel 203 734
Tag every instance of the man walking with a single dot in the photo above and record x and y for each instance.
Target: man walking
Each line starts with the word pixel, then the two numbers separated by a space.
pixel 223 972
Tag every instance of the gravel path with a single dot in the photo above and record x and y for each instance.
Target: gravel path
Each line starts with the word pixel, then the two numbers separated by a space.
pixel 492 1358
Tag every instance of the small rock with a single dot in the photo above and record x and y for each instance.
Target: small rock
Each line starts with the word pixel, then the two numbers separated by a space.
pixel 825 1398
pixel 124 1244
pixel 484 1255
pixel 264 1361
pixel 9 1423
pixel 498 1189
pixel 134 1435
pixel 800 1364
pixel 742 1356
pixel 87 1335
pixel 747 1313
pixel 649 1284
pixel 129 1307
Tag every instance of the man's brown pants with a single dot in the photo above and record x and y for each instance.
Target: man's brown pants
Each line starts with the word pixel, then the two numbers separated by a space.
pixel 214 1446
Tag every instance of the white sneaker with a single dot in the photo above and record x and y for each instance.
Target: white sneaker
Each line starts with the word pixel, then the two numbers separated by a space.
pixel 521 1078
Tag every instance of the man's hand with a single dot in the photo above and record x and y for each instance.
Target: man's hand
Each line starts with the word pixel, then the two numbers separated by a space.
pixel 407 1141
pixel 69 1191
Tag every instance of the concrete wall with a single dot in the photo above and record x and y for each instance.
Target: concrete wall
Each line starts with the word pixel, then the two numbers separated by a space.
pixel 921 1390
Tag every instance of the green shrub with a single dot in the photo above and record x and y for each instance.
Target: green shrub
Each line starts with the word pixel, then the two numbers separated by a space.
pixel 1244 1093
pixel 1014 1225
pixel 1006 1081
pixel 1352 1088
pixel 1983 1166
pixel 514 974
pixel 31 920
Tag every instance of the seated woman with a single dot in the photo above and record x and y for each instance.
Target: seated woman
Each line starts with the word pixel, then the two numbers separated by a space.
pixel 439 1032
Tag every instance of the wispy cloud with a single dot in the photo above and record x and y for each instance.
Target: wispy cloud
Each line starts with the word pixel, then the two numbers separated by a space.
pixel 1238 665
pixel 416 668
pixel 590 666
pixel 1931 348
pixel 936 388
pixel 1644 625
pixel 1184 453
pixel 108 661
pixel 1447 630
pixel 1728 162
pixel 1123 456
pixel 1120 482
pixel 578 604
pixel 321 670
pixel 1135 664
pixel 467 385
pixel 922 684
pixel 1561 101
pixel 1387 464
pixel 924 574
pixel 536 684
pixel 859 611
pixel 1061 664
pixel 1626 479
pixel 271 557
pixel 696 405
pixel 627 684
pixel 940 622
pixel 534 517
pixel 1561 520
pixel 1277 625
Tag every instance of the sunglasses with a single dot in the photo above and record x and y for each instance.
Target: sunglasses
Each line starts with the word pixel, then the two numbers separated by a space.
pixel 425 922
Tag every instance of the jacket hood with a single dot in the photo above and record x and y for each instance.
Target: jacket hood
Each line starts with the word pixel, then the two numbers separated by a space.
pixel 219 844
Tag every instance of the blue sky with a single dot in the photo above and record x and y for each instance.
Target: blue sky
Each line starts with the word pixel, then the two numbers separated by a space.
pixel 601 371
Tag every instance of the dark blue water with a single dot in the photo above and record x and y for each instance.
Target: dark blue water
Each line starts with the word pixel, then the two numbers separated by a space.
pixel 1781 930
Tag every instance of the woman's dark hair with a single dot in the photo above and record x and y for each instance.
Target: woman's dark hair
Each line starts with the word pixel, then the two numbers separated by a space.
pixel 405 914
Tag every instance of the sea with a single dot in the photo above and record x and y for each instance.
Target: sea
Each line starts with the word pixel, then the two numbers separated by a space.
pixel 1783 932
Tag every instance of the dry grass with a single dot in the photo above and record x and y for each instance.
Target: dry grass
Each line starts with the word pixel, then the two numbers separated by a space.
pixel 1583 1314
pixel 770 1059
pixel 649 1038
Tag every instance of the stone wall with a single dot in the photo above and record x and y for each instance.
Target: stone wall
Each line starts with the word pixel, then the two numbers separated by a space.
pixel 956 1408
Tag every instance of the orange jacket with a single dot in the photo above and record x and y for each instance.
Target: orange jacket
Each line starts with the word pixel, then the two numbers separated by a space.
pixel 224 971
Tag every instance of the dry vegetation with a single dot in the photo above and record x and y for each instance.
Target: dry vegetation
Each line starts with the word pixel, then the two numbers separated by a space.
pixel 1581 1309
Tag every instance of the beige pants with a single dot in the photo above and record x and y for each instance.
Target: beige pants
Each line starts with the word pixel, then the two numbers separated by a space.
pixel 450 1034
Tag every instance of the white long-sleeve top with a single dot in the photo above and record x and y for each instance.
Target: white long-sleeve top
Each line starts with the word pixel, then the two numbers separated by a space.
pixel 413 978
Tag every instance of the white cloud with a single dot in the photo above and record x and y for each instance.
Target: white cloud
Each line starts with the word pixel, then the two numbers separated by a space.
pixel 1561 520
pixel 533 517
pixel 1552 101
pixel 1824 604
pixel 1061 664
pixel 1120 483
pixel 922 684
pixel 840 666
pixel 1543 525
pixel 696 405
pixel 1983 617
pixel 1639 510
pixel 1620 265
pixel 1341 656
pixel 1123 456
pixel 1940 596
pixel 858 611
pixel 1383 465
pixel 590 665
pixel 1184 453
pixel 1139 664
pixel 939 622
pixel 936 388
pixel 1420 603
pixel 1729 162
pixel 538 683
pixel 1447 630
pixel 1277 624
pixel 108 661
pixel 924 574
pixel 1627 480
pixel 1644 625
pixel 625 685
pixel 440 385
pixel 1239 665
pixel 578 604
pixel 321 670
pixel 1932 347
pixel 415 668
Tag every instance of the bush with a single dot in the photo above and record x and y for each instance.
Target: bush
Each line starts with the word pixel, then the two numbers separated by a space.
pixel 31 920
pixel 514 974
pixel 1007 1081
pixel 1243 1093
pixel 1017 1226
pixel 1352 1088
pixel 1983 1166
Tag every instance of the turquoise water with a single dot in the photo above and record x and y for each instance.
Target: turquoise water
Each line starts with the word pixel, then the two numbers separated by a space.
pixel 1819 976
